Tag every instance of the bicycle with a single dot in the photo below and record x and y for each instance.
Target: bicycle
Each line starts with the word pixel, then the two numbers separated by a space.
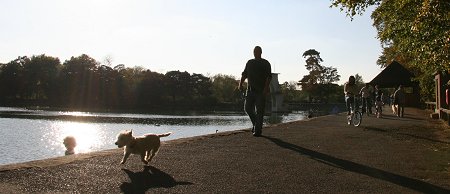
pixel 355 117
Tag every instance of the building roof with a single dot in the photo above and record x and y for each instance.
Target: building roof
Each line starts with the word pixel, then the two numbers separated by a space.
pixel 393 76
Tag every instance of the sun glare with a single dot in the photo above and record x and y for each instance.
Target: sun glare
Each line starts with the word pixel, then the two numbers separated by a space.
pixel 76 113
pixel 87 136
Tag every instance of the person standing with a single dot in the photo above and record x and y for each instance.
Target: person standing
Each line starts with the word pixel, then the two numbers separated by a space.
pixel 259 74
pixel 400 101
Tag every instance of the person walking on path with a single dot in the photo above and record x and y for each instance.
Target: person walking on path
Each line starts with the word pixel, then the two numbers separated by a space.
pixel 392 104
pixel 259 74
pixel 365 93
pixel 379 101
pixel 399 101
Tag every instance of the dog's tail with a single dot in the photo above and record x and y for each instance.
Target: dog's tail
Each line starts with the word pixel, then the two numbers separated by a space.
pixel 164 134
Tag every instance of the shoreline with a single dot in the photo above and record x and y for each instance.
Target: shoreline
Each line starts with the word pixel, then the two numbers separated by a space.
pixel 209 126
pixel 55 161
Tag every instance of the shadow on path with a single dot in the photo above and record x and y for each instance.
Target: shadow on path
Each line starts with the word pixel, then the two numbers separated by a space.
pixel 407 134
pixel 150 177
pixel 410 183
pixel 407 118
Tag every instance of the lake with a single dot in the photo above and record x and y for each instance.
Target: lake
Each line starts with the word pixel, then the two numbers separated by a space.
pixel 28 135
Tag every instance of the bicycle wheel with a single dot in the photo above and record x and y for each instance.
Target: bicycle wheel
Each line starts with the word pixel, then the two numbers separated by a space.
pixel 357 119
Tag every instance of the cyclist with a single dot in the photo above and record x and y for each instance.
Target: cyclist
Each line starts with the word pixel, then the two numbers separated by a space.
pixel 350 89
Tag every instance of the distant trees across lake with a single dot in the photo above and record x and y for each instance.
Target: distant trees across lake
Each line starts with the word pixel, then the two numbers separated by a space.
pixel 83 83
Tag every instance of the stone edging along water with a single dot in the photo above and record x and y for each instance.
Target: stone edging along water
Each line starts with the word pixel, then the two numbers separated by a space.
pixel 71 158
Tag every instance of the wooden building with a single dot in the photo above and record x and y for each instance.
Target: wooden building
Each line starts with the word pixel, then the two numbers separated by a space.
pixel 394 75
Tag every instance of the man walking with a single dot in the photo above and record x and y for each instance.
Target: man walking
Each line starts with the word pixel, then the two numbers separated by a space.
pixel 399 101
pixel 258 72
pixel 366 100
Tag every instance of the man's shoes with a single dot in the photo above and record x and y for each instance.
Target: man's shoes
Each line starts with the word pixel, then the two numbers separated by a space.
pixel 257 133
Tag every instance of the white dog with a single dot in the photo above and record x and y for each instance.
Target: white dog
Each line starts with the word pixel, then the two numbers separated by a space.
pixel 147 145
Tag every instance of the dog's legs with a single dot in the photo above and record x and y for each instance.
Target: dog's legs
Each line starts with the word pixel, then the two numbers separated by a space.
pixel 154 152
pixel 143 158
pixel 125 157
pixel 147 155
pixel 151 156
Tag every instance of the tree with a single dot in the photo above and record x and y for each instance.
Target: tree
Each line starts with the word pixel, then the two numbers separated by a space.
pixel 79 84
pixel 108 83
pixel 330 75
pixel 319 79
pixel 290 92
pixel 152 89
pixel 417 31
pixel 390 54
pixel 41 74
pixel 224 88
pixel 313 61
pixel 202 85
pixel 359 80
pixel 318 73
pixel 179 84
pixel 313 66
pixel 128 84
pixel 12 79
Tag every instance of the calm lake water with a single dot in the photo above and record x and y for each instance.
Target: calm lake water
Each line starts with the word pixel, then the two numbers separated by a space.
pixel 27 135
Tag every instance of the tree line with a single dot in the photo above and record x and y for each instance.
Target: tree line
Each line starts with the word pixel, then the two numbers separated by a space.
pixel 84 83
pixel 415 33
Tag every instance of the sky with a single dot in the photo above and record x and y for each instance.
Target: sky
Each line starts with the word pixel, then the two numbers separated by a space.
pixel 198 36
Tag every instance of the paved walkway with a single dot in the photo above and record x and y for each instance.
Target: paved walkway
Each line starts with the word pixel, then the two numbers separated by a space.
pixel 321 155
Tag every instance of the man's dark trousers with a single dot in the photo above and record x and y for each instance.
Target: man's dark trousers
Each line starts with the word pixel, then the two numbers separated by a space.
pixel 254 106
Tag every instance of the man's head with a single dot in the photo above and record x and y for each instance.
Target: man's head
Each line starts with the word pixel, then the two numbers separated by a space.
pixel 257 52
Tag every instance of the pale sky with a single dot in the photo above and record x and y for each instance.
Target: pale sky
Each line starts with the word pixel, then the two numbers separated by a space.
pixel 197 36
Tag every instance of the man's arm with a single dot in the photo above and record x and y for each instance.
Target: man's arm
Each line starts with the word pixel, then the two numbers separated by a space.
pixel 268 79
pixel 241 83
pixel 266 86
pixel 243 78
